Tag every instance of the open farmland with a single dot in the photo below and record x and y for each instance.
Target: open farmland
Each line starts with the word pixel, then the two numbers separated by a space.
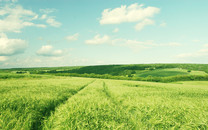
pixel 103 65
pixel 53 102
pixel 168 72
pixel 24 103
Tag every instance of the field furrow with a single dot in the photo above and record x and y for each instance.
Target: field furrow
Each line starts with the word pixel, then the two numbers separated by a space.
pixel 89 109
pixel 27 108
pixel 83 103
pixel 39 123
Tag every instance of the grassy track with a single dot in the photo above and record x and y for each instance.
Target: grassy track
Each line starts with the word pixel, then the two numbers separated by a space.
pixel 25 103
pixel 89 109
pixel 110 104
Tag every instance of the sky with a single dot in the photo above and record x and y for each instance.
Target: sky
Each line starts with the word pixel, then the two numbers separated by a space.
pixel 46 33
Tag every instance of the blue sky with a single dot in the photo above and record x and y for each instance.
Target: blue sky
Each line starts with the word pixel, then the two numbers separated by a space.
pixel 39 33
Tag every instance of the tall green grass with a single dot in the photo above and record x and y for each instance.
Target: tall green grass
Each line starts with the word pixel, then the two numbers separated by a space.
pixel 84 103
pixel 91 108
pixel 111 104
pixel 25 103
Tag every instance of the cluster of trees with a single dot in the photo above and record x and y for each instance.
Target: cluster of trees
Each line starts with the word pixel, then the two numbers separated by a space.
pixel 15 76
pixel 149 78
pixel 21 72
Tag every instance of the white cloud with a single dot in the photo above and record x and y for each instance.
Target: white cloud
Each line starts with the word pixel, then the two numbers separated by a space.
pixel 134 45
pixel 51 21
pixel 98 40
pixel 132 13
pixel 116 30
pixel 204 51
pixel 72 37
pixel 144 23
pixel 10 47
pixel 13 1
pixel 48 50
pixel 174 44
pixel 163 24
pixel 44 16
pixel 205 45
pixel 138 46
pixel 197 54
pixel 48 10
pixel 14 18
pixel 195 40
pixel 200 53
pixel 3 58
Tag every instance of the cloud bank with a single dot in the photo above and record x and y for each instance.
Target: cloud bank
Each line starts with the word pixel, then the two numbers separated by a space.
pixel 14 18
pixel 9 47
pixel 98 39
pixel 72 37
pixel 48 50
pixel 131 13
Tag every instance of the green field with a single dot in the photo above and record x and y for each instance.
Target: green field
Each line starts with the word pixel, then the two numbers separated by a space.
pixel 168 72
pixel 137 72
pixel 52 102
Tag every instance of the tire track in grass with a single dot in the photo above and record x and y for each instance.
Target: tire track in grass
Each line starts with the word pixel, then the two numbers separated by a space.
pixel 38 124
pixel 118 105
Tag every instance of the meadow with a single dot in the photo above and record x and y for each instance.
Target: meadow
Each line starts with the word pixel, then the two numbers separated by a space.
pixel 24 103
pixel 57 102
pixel 137 72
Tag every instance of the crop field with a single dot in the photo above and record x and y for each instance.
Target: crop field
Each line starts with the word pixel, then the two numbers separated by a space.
pixel 53 102
pixel 168 72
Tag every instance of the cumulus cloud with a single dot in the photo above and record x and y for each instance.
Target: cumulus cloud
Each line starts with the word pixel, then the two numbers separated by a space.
pixel 206 45
pixel 98 40
pixel 49 19
pixel 48 50
pixel 195 40
pixel 13 1
pixel 14 18
pixel 132 13
pixel 44 16
pixel 48 10
pixel 134 45
pixel 197 54
pixel 3 58
pixel 72 37
pixel 174 44
pixel 116 30
pixel 53 22
pixel 144 23
pixel 138 46
pixel 163 24
pixel 10 47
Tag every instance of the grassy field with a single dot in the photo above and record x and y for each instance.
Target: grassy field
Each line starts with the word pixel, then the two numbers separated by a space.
pixel 168 72
pixel 88 103
pixel 24 103
pixel 139 72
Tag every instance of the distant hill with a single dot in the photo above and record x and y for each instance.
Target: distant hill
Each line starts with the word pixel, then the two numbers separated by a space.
pixel 146 72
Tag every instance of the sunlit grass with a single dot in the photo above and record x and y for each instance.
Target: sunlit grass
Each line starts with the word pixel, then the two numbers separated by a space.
pixel 168 72
pixel 111 104
pixel 25 102
pixel 85 103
